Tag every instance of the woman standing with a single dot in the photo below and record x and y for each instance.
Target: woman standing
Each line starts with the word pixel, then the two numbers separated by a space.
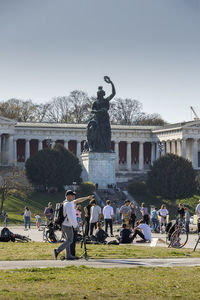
pixel 27 218
pixel 145 214
pixel 163 212
pixel 133 215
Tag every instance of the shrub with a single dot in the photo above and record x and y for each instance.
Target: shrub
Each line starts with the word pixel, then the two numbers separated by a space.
pixel 137 188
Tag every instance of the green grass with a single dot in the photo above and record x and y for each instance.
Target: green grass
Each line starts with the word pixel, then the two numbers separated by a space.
pixel 90 283
pixel 37 201
pixel 40 251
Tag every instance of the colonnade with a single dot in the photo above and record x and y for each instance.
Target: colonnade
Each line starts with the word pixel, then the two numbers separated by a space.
pixel 130 155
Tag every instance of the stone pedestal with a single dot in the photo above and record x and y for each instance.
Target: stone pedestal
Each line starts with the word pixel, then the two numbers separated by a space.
pixel 99 168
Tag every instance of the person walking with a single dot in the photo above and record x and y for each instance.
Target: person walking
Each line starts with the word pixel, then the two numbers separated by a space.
pixel 27 218
pixel 108 217
pixel 95 215
pixel 69 224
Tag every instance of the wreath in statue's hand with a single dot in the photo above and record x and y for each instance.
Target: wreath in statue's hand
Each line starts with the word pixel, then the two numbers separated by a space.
pixel 107 79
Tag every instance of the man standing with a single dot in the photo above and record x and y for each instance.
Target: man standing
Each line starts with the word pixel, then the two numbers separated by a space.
pixel 49 213
pixel 70 222
pixel 95 215
pixel 125 210
pixel 108 217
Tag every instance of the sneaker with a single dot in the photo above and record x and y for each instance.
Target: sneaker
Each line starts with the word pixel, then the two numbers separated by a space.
pixel 55 254
pixel 112 235
pixel 141 241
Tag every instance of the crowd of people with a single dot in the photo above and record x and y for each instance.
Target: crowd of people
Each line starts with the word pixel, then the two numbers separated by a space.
pixel 132 225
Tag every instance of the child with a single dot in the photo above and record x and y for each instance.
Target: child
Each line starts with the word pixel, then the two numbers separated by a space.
pixel 78 215
pixel 38 221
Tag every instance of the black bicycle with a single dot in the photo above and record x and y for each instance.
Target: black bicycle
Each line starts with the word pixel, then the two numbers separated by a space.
pixel 179 236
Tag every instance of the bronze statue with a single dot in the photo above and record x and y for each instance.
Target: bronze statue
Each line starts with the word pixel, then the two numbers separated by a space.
pixel 98 129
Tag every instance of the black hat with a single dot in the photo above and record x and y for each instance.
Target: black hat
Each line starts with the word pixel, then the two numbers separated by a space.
pixel 70 192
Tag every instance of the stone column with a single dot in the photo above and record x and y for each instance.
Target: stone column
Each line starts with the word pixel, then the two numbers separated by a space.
pixel 117 155
pixel 10 149
pixel 141 156
pixel 157 150
pixel 183 150
pixel 152 152
pixel 39 145
pixel 129 156
pixel 162 148
pixel 195 154
pixel 15 152
pixel 27 149
pixel 167 146
pixel 66 144
pixel 173 147
pixel 179 147
pixel 78 149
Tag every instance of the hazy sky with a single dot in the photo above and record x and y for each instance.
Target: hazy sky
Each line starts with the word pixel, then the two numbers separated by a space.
pixel 149 48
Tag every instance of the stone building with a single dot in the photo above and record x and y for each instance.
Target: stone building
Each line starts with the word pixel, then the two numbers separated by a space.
pixel 136 147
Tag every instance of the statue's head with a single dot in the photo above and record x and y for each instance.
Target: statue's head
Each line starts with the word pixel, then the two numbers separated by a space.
pixel 101 93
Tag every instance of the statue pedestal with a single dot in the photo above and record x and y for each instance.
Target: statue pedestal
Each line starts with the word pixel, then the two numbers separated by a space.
pixel 99 168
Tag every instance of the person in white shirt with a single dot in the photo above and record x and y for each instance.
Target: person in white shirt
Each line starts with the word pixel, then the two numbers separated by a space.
pixel 70 223
pixel 198 216
pixel 163 212
pixel 95 215
pixel 108 217
pixel 143 230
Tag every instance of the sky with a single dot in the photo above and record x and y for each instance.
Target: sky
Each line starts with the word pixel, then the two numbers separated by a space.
pixel 149 48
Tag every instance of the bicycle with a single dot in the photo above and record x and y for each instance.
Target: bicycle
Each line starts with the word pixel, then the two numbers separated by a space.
pixel 179 236
pixel 52 234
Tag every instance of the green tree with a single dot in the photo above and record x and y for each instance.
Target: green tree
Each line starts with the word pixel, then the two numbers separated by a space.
pixel 53 168
pixel 172 177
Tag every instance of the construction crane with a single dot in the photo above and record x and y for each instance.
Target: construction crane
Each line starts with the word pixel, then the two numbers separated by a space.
pixel 195 114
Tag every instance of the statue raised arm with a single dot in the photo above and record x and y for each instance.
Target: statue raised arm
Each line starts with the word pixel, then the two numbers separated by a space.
pixel 107 79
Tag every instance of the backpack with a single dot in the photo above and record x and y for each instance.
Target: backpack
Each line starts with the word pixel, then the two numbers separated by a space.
pixel 58 214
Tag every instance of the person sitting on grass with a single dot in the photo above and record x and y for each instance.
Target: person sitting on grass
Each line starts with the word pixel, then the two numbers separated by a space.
pixel 100 234
pixel 125 234
pixel 143 230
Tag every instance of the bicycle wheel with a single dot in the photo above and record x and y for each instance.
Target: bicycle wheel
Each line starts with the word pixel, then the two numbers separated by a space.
pixel 178 239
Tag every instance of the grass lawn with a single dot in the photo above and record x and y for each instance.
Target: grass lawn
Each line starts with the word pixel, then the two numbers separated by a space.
pixel 37 201
pixel 40 251
pixel 90 283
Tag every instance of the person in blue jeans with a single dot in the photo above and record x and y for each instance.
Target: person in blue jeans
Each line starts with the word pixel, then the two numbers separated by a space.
pixel 27 218
pixel 154 220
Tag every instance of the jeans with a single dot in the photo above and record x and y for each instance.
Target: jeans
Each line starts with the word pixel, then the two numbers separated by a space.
pixel 27 222
pixel 108 222
pixel 154 224
pixel 92 226
pixel 69 235
pixel 138 232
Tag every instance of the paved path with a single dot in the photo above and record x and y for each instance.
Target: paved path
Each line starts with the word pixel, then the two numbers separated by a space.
pixel 103 263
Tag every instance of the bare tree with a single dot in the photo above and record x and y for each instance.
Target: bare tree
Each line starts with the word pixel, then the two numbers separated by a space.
pixel 150 120
pixel 19 110
pixel 80 106
pixel 58 110
pixel 125 111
